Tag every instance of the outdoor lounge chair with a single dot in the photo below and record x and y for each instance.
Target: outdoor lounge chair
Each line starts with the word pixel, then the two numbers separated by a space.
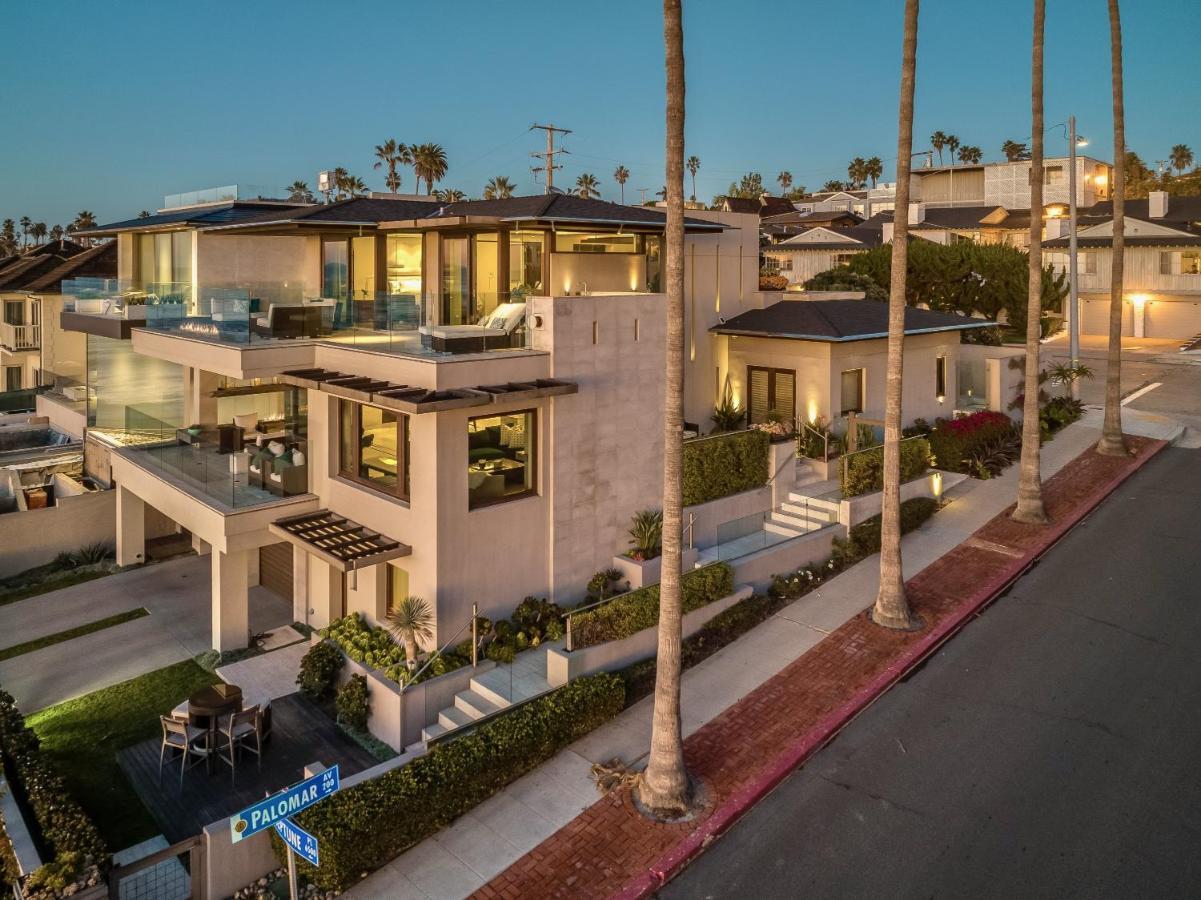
pixel 182 737
pixel 493 333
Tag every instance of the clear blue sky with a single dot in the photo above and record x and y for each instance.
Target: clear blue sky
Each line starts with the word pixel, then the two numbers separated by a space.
pixel 109 106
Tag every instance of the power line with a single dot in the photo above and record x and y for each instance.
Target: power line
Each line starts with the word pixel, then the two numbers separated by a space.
pixel 548 158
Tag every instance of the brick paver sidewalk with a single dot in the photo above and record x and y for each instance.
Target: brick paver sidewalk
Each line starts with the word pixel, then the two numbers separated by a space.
pixel 611 849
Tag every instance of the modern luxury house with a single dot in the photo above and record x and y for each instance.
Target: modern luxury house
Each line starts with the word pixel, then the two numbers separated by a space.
pixel 1162 277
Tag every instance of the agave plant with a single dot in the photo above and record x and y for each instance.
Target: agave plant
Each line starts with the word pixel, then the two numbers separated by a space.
pixel 646 534
pixel 411 620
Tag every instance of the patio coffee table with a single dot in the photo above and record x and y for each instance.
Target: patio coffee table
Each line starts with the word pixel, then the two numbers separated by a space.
pixel 208 705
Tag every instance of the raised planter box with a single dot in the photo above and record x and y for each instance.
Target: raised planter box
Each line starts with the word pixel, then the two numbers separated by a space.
pixel 562 666
pixel 934 483
pixel 640 573
pixel 397 716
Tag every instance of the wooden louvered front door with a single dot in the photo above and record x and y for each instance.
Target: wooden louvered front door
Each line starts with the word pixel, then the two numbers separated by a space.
pixel 770 391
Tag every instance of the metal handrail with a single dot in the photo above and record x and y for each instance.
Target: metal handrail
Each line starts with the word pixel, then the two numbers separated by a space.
pixel 846 456
pixel 825 439
pixel 475 643
pixel 688 529
pixel 716 434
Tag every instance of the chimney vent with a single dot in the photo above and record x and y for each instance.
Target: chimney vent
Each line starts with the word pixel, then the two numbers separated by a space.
pixel 1157 203
pixel 917 213
pixel 887 235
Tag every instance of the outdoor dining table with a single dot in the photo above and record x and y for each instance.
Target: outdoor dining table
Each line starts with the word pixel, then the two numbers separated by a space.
pixel 208 705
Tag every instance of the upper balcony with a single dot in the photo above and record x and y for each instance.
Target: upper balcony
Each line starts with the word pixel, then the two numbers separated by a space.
pixel 20 337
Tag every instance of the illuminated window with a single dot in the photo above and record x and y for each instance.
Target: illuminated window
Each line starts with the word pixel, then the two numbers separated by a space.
pixel 525 264
pixel 579 242
pixel 501 458
pixel 397 588
pixel 374 447
pixel 771 394
pixel 403 264
pixel 940 377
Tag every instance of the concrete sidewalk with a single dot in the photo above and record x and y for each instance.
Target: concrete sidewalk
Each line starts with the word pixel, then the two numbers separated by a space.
pixel 178 597
pixel 486 841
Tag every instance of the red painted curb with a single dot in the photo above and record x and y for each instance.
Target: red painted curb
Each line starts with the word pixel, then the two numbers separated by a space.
pixel 674 860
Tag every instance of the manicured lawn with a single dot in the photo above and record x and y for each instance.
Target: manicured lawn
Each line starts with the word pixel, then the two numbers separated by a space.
pixel 57 638
pixel 24 592
pixel 82 736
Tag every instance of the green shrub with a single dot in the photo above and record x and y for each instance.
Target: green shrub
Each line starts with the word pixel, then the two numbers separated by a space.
pixel 319 670
pixel 377 648
pixel 636 610
pixel 353 704
pixel 365 826
pixel 723 465
pixel 68 838
pixel 1058 412
pixel 864 539
pixel 863 473
pixel 604 584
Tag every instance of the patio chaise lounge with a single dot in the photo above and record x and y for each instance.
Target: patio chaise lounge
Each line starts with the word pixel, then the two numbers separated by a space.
pixel 494 332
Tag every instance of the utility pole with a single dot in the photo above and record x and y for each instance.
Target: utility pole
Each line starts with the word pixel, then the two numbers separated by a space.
pixel 548 158
pixel 643 192
pixel 1073 289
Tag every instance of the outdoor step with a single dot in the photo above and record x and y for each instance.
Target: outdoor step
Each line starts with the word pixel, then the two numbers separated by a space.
pixel 818 502
pixel 455 717
pixel 808 511
pixel 432 731
pixel 786 530
pixel 498 695
pixel 474 705
pixel 782 517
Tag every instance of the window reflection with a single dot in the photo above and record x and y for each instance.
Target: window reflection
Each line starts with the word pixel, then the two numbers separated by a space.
pixel 500 457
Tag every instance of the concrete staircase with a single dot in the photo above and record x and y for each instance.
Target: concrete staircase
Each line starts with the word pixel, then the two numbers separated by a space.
pixel 494 690
pixel 811 504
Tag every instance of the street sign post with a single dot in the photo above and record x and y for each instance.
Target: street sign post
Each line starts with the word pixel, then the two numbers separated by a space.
pixel 274 812
pixel 283 804
pixel 298 840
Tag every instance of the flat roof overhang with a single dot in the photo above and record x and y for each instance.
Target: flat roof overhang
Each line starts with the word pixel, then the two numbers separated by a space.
pixel 344 544
pixel 828 339
pixel 101 326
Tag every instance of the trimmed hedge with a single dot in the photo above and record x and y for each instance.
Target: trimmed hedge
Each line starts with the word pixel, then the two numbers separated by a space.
pixel 61 829
pixel 954 441
pixel 863 472
pixel 724 464
pixel 364 827
pixel 864 539
pixel 636 610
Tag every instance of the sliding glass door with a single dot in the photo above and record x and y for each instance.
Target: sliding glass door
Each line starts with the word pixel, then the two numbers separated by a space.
pixel 455 280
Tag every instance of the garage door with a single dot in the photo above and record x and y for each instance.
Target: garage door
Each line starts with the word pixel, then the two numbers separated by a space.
pixel 1094 318
pixel 1173 318
pixel 275 569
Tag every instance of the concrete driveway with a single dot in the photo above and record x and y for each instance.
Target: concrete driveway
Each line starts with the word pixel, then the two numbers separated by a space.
pixel 175 592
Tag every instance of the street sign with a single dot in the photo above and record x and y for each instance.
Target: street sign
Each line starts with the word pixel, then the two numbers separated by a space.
pixel 287 802
pixel 298 840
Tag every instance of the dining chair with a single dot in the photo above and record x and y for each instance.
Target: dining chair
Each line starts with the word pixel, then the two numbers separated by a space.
pixel 183 737
pixel 234 734
pixel 180 712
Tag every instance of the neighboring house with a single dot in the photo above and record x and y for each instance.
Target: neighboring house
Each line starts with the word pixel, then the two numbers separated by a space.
pixel 762 206
pixel 1007 184
pixel 820 359
pixel 1162 276
pixel 458 401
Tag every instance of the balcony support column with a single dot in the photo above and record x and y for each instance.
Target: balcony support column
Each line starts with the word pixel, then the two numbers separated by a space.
pixel 231 599
pixel 131 527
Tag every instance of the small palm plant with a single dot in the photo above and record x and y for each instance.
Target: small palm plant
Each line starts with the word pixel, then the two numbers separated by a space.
pixel 1067 373
pixel 410 621
pixel 646 534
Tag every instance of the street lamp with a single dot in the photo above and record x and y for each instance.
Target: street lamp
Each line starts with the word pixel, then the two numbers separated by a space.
pixel 1074 141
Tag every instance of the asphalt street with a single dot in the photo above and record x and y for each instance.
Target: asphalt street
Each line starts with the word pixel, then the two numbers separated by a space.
pixel 1051 749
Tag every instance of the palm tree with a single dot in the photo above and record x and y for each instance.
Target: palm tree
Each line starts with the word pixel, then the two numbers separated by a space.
pixel 874 169
pixel 1015 151
pixel 38 230
pixel 892 609
pixel 26 224
pixel 348 186
pixel 1112 442
pixel 298 192
pixel 56 233
pixel 498 188
pixel 663 786
pixel 144 214
pixel 832 186
pixel 449 195
pixel 84 220
pixel 410 622
pixel 8 238
pixel 952 146
pixel 938 140
pixel 785 179
pixel 857 171
pixel 693 164
pixel 1030 507
pixel 429 162
pixel 587 186
pixel 621 175
pixel 387 154
pixel 1182 157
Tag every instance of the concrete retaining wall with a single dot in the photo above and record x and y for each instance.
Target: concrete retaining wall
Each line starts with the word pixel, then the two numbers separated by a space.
pixel 934 483
pixel 640 574
pixel 756 569
pixel 18 834
pixel 34 537
pixel 562 666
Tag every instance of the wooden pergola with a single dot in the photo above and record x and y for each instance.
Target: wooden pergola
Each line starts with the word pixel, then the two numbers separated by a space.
pixel 344 544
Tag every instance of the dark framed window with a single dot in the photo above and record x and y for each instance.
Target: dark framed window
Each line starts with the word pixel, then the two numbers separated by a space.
pixel 852 391
pixel 940 377
pixel 770 392
pixel 502 457
pixel 373 447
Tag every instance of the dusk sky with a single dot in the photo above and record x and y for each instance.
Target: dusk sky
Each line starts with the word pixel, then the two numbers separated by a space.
pixel 109 106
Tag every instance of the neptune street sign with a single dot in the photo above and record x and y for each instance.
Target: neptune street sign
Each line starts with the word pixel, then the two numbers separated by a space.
pixel 287 802
pixel 298 840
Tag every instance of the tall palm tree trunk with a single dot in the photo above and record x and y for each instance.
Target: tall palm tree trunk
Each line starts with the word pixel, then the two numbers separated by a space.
pixel 664 785
pixel 1112 443
pixel 892 609
pixel 1030 507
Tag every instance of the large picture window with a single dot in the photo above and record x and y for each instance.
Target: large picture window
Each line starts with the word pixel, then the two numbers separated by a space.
pixel 374 447
pixel 771 393
pixel 501 458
